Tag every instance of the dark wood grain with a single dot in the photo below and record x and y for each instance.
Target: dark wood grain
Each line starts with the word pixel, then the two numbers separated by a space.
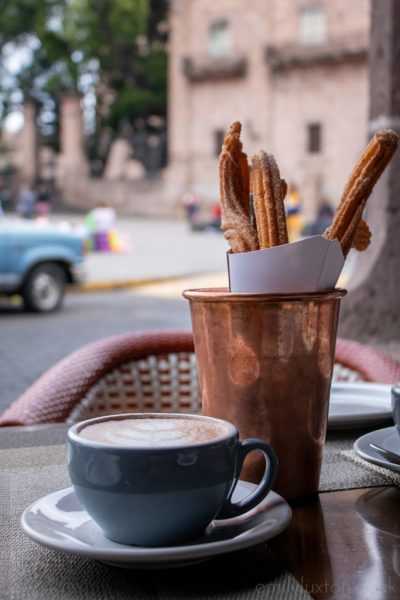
pixel 345 545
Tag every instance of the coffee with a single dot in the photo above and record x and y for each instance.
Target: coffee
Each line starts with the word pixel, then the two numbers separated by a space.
pixel 154 432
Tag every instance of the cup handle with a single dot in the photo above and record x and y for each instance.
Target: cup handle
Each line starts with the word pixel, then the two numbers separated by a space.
pixel 233 509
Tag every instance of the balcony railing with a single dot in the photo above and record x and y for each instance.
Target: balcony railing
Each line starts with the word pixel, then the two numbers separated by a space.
pixel 282 57
pixel 201 69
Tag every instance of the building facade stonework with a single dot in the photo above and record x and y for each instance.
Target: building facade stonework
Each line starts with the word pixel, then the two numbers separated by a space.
pixel 294 72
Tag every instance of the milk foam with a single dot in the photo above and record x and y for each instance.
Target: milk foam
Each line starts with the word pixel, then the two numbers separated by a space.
pixel 153 432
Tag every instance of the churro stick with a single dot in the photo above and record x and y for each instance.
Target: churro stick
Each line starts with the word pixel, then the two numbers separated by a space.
pixel 284 185
pixel 347 239
pixel 284 188
pixel 244 167
pixel 233 146
pixel 260 211
pixel 236 234
pixel 268 201
pixel 274 200
pixel 362 238
pixel 235 206
pixel 236 227
pixel 359 187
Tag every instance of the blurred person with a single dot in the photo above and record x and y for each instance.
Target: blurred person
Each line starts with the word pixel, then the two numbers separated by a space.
pixel 324 217
pixel 191 203
pixel 294 219
pixel 215 223
pixel 216 213
pixel 100 223
pixel 5 195
pixel 42 208
pixel 26 202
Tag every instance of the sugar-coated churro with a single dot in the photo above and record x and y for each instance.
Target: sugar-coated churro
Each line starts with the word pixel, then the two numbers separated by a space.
pixel 244 167
pixel 268 226
pixel 260 211
pixel 347 239
pixel 268 193
pixel 359 187
pixel 234 187
pixel 362 238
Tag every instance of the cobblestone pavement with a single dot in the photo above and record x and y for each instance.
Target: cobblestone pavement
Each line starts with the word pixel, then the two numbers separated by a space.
pixel 31 343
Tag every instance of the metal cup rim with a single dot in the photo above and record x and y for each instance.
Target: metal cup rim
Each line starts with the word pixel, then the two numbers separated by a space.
pixel 222 294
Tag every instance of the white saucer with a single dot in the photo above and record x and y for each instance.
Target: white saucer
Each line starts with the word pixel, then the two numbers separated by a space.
pixel 59 522
pixel 387 438
pixel 359 405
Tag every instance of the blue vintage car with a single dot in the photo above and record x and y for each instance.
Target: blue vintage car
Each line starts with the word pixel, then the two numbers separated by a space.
pixel 37 261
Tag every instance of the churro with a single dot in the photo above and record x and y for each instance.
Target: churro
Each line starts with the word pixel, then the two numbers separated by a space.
pixel 359 187
pixel 263 179
pixel 260 211
pixel 235 196
pixel 244 167
pixel 268 193
pixel 362 238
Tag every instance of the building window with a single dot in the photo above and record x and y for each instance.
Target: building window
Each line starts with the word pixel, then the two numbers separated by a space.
pixel 314 144
pixel 220 39
pixel 312 25
pixel 219 135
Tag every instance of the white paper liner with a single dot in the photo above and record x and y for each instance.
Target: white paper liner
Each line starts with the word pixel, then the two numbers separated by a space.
pixel 310 265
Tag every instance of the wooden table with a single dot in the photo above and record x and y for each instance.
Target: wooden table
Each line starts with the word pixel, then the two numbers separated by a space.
pixel 344 545
pixel 339 545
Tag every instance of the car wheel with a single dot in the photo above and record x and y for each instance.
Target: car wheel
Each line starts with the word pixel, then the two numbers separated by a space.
pixel 44 288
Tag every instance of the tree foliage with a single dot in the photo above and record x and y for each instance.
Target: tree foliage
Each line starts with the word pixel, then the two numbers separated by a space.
pixel 113 48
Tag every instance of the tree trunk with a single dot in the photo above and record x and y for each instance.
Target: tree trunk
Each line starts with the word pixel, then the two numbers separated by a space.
pixel 371 311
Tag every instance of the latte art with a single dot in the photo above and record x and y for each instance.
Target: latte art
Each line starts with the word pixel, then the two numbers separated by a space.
pixel 153 432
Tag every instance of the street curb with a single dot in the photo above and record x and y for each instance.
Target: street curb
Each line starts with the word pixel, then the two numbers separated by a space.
pixel 101 286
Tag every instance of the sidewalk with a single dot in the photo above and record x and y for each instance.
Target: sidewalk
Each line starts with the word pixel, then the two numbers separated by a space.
pixel 162 252
pixel 158 250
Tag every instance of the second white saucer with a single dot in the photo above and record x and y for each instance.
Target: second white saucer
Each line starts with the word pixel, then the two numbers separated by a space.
pixel 387 438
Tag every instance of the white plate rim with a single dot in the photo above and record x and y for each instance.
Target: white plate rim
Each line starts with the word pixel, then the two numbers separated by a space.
pixel 380 393
pixel 140 555
pixel 378 437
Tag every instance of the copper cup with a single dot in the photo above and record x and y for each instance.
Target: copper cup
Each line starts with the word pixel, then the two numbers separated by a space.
pixel 265 363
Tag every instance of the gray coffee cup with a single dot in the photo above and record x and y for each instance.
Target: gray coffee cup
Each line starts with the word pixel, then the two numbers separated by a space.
pixel 396 405
pixel 156 495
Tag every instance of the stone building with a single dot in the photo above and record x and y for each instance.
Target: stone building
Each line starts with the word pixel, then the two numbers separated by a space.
pixel 294 72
